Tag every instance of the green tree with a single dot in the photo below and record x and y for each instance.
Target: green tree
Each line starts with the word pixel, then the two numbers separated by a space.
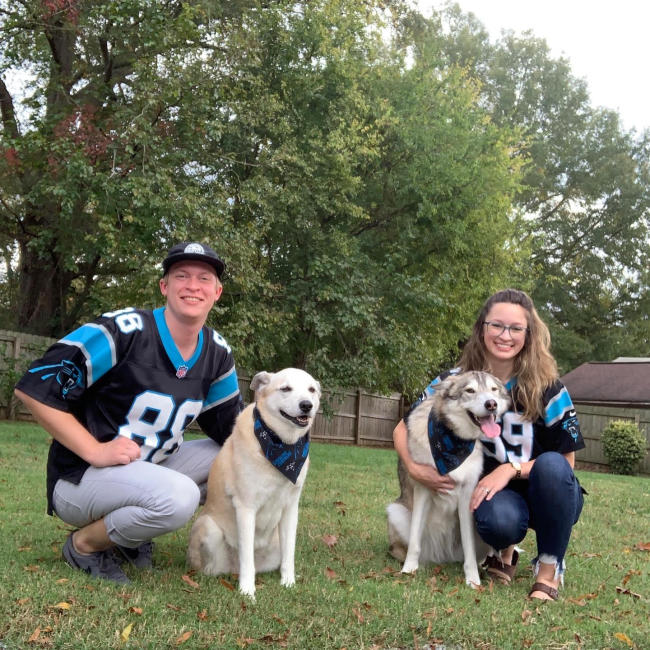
pixel 585 194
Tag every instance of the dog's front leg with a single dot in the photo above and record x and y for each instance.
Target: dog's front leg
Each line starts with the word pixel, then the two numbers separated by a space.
pixel 421 504
pixel 287 529
pixel 468 540
pixel 246 547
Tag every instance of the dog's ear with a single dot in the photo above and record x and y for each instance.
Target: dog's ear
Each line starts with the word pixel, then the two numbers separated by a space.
pixel 447 388
pixel 260 380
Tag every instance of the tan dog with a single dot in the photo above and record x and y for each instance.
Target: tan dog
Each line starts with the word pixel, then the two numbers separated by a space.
pixel 427 526
pixel 250 517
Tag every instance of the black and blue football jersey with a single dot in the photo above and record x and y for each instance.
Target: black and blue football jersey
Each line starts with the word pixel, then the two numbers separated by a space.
pixel 521 440
pixel 122 374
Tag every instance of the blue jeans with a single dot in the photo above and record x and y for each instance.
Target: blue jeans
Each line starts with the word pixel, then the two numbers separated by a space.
pixel 550 502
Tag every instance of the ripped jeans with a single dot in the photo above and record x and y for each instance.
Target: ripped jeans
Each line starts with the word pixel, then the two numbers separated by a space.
pixel 550 502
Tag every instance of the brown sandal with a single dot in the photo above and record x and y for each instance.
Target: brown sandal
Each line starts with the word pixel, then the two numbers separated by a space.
pixel 500 571
pixel 546 589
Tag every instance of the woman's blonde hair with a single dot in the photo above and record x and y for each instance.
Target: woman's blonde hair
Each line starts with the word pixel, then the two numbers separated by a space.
pixel 534 367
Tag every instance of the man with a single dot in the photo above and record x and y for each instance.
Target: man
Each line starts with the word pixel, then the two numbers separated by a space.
pixel 116 395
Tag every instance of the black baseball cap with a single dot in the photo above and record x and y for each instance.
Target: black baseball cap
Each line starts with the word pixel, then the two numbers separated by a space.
pixel 194 251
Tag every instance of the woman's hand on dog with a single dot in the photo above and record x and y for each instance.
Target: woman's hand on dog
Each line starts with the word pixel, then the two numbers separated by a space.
pixel 490 484
pixel 430 477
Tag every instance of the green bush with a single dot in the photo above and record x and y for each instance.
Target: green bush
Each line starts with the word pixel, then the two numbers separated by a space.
pixel 624 446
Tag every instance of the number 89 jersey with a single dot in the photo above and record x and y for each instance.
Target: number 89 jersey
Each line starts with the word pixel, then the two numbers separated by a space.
pixel 122 374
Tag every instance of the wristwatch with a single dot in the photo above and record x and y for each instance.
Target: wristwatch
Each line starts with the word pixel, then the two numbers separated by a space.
pixel 517 468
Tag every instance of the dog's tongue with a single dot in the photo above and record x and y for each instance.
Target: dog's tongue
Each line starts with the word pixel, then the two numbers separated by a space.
pixel 489 426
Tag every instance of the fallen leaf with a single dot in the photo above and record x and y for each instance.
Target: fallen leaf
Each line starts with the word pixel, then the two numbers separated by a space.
pixel 278 619
pixel 627 592
pixel 190 582
pixel 32 568
pixel 576 636
pixel 24 548
pixel 226 584
pixel 243 641
pixel 330 540
pixel 183 637
pixel 173 607
pixel 589 555
pixel 23 601
pixel 35 634
pixel 643 546
pixel 358 614
pixel 136 610
pixel 629 574
pixel 525 615
pixel 625 638
pixel 62 606
pixel 340 506
pixel 202 615
pixel 330 573
pixel 126 633
pixel 62 581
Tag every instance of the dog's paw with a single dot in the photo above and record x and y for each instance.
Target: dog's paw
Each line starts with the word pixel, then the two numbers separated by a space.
pixel 410 567
pixel 288 581
pixel 247 589
pixel 473 581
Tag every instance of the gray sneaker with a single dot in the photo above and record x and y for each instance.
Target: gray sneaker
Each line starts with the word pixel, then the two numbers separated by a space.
pixel 140 557
pixel 101 564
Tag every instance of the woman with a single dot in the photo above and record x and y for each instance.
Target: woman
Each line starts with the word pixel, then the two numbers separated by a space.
pixel 528 478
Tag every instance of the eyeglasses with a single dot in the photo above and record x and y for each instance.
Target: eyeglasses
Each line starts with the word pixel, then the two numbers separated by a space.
pixel 496 329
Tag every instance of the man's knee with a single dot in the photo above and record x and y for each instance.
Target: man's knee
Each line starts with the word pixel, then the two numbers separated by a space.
pixel 179 504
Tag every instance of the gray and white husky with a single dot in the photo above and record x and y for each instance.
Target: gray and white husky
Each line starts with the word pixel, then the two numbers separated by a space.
pixel 424 525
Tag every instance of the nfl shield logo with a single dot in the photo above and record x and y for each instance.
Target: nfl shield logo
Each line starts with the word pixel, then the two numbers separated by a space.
pixel 181 371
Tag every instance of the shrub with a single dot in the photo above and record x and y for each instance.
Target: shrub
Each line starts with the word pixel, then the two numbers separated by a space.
pixel 624 446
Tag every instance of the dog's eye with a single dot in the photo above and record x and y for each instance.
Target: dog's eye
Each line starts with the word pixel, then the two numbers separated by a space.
pixel 286 389
pixel 471 391
pixel 312 389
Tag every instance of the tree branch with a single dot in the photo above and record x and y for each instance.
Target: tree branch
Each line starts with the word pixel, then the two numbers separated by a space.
pixel 8 112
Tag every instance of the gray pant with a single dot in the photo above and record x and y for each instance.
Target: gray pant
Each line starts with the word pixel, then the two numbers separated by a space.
pixel 141 500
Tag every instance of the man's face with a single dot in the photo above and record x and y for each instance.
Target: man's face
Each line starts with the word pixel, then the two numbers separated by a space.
pixel 191 289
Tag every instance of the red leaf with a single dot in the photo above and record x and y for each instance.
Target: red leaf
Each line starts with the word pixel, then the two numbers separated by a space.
pixel 226 584
pixel 643 546
pixel 190 582
pixel 330 573
pixel 330 540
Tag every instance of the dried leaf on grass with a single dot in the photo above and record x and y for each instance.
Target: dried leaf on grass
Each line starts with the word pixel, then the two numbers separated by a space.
pixel 228 585
pixel 643 546
pixel 126 633
pixel 190 582
pixel 183 638
pixel 624 638
pixel 330 540
pixel 627 592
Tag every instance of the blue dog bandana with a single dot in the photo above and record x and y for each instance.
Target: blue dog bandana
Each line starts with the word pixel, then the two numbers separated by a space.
pixel 448 450
pixel 286 458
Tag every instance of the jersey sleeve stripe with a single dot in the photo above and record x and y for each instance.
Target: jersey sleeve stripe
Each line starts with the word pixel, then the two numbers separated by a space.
pixel 557 407
pixel 97 346
pixel 222 389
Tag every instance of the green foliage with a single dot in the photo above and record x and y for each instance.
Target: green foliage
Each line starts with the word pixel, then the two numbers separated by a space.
pixel 624 446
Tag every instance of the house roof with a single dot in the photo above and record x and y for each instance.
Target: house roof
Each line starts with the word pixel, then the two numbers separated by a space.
pixel 617 382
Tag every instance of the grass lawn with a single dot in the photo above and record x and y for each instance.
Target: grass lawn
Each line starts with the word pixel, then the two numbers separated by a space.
pixel 349 592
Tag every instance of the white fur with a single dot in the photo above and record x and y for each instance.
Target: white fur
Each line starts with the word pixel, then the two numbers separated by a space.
pixel 440 528
pixel 250 517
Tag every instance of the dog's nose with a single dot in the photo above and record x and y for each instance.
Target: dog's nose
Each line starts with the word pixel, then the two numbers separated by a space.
pixel 490 405
pixel 305 406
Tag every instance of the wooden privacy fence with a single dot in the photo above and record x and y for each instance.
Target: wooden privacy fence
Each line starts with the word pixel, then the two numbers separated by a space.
pixel 595 417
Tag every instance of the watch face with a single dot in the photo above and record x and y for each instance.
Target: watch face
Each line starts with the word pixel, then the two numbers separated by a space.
pixel 517 466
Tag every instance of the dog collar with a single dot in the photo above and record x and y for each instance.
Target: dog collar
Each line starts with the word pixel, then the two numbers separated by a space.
pixel 448 450
pixel 286 458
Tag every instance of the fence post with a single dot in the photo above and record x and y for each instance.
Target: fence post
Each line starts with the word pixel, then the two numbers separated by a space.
pixel 357 420
pixel 12 406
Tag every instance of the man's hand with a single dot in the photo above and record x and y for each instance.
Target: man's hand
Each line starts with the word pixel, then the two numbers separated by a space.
pixel 119 451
